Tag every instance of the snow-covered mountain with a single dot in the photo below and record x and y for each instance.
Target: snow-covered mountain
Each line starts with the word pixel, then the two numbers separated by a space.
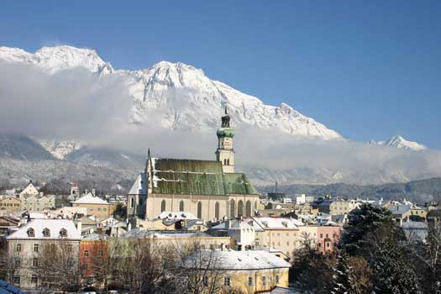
pixel 179 96
pixel 60 149
pixel 400 143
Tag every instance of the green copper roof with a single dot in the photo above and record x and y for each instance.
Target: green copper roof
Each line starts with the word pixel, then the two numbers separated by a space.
pixel 225 132
pixel 197 177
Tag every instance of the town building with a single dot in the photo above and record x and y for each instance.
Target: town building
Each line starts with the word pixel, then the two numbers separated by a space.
pixel 95 206
pixel 37 202
pixel 10 203
pixel 279 233
pixel 240 271
pixel 29 190
pixel 243 235
pixel 210 190
pixel 27 246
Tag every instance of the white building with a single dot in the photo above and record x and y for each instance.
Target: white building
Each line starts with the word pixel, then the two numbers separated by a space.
pixel 26 247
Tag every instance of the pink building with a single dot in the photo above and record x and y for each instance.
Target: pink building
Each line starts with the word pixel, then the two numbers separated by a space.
pixel 327 238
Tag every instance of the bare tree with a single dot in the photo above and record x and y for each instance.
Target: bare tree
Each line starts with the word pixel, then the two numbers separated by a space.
pixel 56 266
pixel 9 265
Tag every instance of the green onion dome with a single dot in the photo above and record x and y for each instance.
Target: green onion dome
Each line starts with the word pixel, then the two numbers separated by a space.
pixel 225 132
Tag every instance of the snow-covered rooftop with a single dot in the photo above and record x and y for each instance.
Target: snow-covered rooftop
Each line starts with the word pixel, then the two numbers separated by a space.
pixel 235 260
pixel 90 199
pixel 277 223
pixel 55 227
pixel 139 186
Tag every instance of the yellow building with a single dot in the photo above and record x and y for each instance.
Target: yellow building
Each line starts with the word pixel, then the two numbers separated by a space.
pixel 279 233
pixel 95 206
pixel 418 212
pixel 238 271
pixel 10 203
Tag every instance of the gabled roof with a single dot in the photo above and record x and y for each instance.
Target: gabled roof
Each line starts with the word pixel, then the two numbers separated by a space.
pixel 90 199
pixel 54 226
pixel 197 177
pixel 139 186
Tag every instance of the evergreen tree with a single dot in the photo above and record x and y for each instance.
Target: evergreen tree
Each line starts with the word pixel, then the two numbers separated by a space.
pixel 391 272
pixel 342 282
pixel 365 221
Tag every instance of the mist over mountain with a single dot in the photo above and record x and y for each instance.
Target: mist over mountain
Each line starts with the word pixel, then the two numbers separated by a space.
pixel 84 113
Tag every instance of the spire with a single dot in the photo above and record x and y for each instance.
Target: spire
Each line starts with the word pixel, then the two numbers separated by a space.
pixel 225 119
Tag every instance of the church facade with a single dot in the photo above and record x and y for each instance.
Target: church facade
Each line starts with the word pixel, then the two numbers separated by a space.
pixel 210 190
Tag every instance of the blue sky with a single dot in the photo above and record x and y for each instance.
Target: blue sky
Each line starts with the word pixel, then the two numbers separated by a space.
pixel 368 69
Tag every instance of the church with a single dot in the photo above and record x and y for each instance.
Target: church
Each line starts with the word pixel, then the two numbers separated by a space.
pixel 209 189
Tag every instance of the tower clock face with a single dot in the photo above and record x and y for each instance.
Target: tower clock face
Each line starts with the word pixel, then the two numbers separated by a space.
pixel 227 143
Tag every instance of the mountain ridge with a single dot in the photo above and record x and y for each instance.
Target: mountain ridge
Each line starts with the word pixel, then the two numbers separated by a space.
pixel 179 93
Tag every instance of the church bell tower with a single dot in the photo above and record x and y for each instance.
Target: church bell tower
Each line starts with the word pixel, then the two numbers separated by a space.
pixel 225 151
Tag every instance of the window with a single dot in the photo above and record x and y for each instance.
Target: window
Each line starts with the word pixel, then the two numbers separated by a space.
pixel 46 232
pixel 17 262
pixel 240 208
pixel 34 261
pixel 86 253
pixel 277 279
pixel 100 252
pixel 199 210
pixel 31 232
pixel 321 235
pixel 264 280
pixel 36 247
pixel 63 232
pixel 132 202
pixel 181 205
pixel 16 280
pixel 34 279
pixel 227 281
pixel 18 248
pixel 250 281
pixel 69 248
pixel 248 208
pixel 163 205
pixel 216 210
pixel 232 208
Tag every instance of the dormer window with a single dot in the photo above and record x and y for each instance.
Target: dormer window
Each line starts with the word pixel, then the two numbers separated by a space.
pixel 46 232
pixel 63 233
pixel 31 232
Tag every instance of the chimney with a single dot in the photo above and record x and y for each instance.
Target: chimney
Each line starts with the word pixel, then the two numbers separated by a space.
pixel 79 227
pixel 93 192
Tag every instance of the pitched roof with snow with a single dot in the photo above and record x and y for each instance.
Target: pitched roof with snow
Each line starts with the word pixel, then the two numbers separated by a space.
pixel 54 229
pixel 273 223
pixel 139 186
pixel 90 199
pixel 235 260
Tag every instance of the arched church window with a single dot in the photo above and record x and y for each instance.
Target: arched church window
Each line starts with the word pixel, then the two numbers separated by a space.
pixel 181 205
pixel 256 205
pixel 199 210
pixel 248 208
pixel 216 210
pixel 133 202
pixel 232 208
pixel 162 205
pixel 240 208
